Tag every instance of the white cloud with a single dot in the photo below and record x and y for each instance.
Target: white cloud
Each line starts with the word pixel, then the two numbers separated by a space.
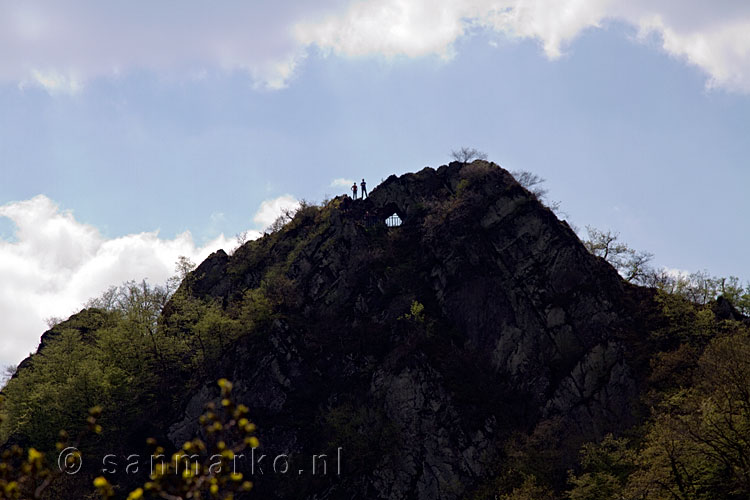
pixel 342 182
pixel 675 273
pixel 389 28
pixel 54 83
pixel 416 28
pixel 61 45
pixel 721 49
pixel 715 36
pixel 55 263
pixel 270 210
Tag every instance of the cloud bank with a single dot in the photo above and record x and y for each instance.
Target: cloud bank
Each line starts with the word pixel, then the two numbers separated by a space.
pixel 61 45
pixel 55 263
pixel 714 36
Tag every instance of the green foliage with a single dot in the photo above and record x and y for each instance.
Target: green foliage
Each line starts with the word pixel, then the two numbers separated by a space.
pixel 529 490
pixel 118 355
pixel 595 486
pixel 138 303
pixel 415 314
pixel 183 267
pixel 68 375
pixel 696 442
pixel 286 220
pixel 698 287
pixel 463 204
pixel 734 292
pixel 686 322
pixel 607 466
pixel 673 370
pixel 463 185
pixel 611 455
pixel 543 452
pixel 256 310
pixel 199 469
pixel 695 445
pixel 26 474
pixel 212 335
pixel 418 323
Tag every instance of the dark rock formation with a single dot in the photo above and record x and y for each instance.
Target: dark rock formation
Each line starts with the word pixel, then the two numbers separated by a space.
pixel 520 326
pixel 723 309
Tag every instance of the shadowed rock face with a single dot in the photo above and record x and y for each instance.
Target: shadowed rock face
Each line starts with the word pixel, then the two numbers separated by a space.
pixel 521 327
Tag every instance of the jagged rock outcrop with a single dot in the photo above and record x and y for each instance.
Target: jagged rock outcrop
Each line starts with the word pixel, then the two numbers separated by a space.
pixel 520 325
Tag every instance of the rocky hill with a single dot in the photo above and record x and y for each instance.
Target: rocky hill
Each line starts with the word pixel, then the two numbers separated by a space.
pixel 446 338
pixel 420 358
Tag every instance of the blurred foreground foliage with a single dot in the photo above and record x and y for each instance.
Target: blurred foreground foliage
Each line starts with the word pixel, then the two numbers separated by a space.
pixel 201 468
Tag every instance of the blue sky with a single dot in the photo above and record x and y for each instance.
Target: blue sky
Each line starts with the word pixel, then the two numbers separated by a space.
pixel 128 138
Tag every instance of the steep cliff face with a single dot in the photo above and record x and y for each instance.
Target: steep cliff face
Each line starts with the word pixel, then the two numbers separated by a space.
pixel 419 350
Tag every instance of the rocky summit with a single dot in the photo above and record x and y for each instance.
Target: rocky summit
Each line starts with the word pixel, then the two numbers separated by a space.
pixel 421 357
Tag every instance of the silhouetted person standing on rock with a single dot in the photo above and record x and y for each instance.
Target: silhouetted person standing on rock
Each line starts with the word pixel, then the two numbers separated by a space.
pixel 364 189
pixel 354 191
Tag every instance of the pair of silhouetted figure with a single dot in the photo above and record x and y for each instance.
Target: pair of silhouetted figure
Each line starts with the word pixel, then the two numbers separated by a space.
pixel 363 184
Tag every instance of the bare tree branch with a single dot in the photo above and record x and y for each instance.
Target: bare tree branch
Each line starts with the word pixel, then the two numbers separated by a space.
pixel 466 155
